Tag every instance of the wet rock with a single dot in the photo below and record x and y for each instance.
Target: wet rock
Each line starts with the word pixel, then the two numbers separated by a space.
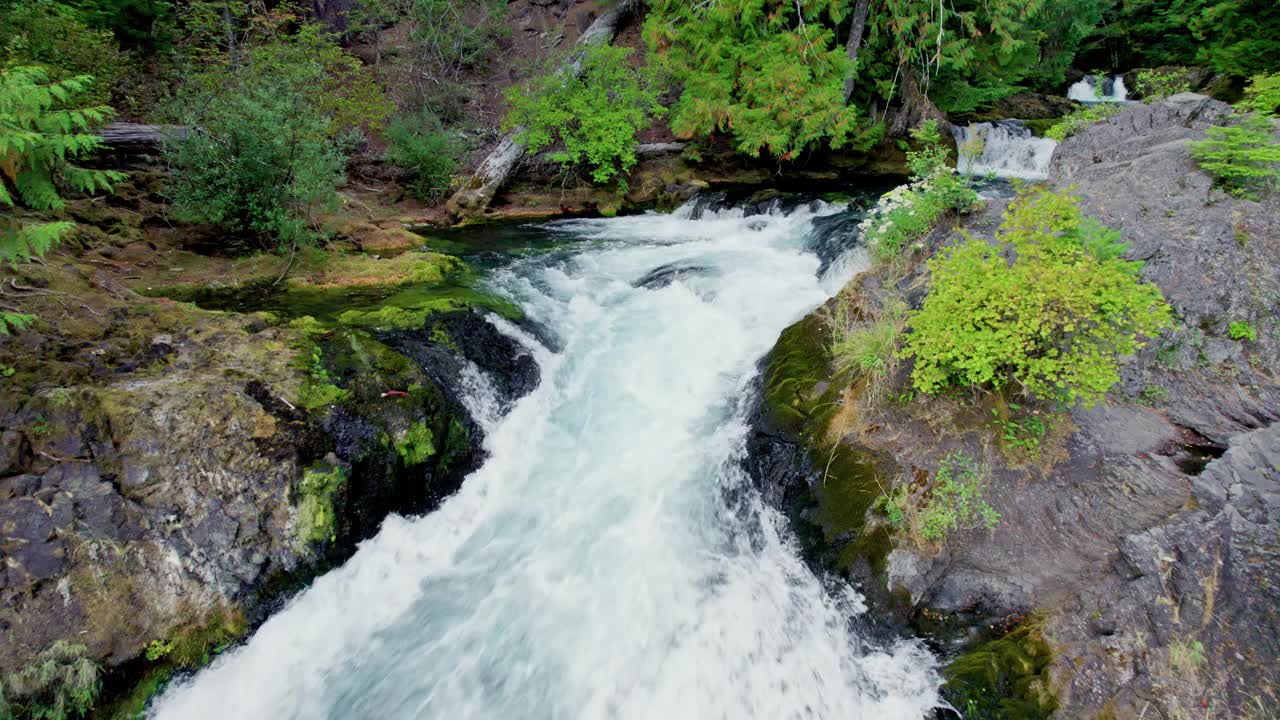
pixel 664 275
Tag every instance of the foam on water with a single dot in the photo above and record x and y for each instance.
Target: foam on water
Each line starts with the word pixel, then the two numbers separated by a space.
pixel 594 567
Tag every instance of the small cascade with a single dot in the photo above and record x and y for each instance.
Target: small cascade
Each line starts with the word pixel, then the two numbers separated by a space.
pixel 1006 148
pixel 1086 90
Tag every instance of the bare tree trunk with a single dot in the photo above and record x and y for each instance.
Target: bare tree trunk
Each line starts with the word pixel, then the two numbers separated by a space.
pixel 855 43
pixel 478 192
pixel 916 108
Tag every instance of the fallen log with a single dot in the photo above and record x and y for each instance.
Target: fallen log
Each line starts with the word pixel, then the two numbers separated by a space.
pixel 136 137
pixel 478 192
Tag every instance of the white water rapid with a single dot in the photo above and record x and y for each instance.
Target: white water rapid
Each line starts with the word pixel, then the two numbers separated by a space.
pixel 1006 149
pixel 1086 90
pixel 610 559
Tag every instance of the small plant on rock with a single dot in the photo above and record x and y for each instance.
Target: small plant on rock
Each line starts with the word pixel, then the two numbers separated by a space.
pixel 906 214
pixel 953 502
pixel 1079 120
pixel 1241 330
pixel 1244 158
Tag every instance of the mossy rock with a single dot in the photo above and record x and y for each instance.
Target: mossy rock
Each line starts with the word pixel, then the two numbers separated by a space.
pixel 1004 679
pixel 797 396
pixel 801 398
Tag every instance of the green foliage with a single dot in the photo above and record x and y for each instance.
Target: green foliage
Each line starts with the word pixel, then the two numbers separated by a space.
pixel 593 116
pixel 770 72
pixel 1263 94
pixel 1236 37
pixel 415 445
pixel 1244 158
pixel 420 144
pixel 53 37
pixel 1160 83
pixel 954 501
pixel 1241 330
pixel 909 212
pixel 369 18
pixel 42 132
pixel 1053 322
pixel 968 54
pixel 266 148
pixel 1023 433
pixel 157 649
pixel 60 683
pixel 1077 121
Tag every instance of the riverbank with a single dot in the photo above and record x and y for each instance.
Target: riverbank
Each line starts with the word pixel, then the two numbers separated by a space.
pixel 1133 554
pixel 189 438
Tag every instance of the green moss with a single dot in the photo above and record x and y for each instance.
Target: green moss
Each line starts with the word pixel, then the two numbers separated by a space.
pixel 317 514
pixel 314 396
pixel 414 446
pixel 317 390
pixel 798 366
pixel 412 309
pixel 457 443
pixel 1005 678
pixel 133 705
pixel 801 398
pixel 189 647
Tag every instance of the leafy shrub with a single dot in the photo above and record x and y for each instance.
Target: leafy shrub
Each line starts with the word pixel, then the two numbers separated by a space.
pixel 1244 158
pixel 266 150
pixel 60 683
pixel 419 144
pixel 52 36
pixel 1160 83
pixel 1241 330
pixel 1077 121
pixel 1263 94
pixel 909 212
pixel 954 501
pixel 1053 322
pixel 593 116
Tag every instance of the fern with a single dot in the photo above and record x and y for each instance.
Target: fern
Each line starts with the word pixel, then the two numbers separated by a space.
pixel 40 137
pixel 10 321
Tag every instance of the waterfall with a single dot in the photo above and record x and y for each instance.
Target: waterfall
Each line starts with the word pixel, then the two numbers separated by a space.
pixel 1086 90
pixel 594 567
pixel 1006 148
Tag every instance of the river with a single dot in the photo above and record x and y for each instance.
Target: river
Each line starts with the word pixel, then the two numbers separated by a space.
pixel 610 559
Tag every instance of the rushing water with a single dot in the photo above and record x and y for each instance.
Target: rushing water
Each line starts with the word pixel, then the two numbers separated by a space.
pixel 1005 149
pixel 1086 90
pixel 609 560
